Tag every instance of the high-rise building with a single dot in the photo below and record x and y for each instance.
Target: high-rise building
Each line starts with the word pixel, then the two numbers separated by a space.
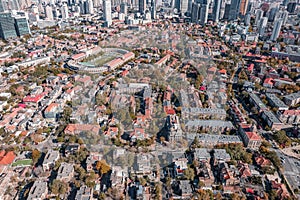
pixel 142 6
pixel 291 7
pixel 195 12
pixel 262 26
pixel 247 19
pixel 258 15
pixel 123 8
pixel 49 12
pixel 107 12
pixel 234 9
pixel 216 10
pixel 276 30
pixel 64 11
pixel 203 16
pixel 244 7
pixel 90 7
pixel 272 13
pixel 226 11
pixel 7 26
pixel 190 7
pixel 21 25
pixel 184 6
pixel 153 9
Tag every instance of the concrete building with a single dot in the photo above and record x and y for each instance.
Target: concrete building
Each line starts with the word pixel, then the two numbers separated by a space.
pixel 276 102
pixel 65 172
pixel 289 116
pixel 49 12
pixel 292 99
pixel 272 121
pixel 38 191
pixel 107 12
pixel 208 125
pixel 50 159
pixel 84 193
pixel 276 30
pixel 7 26
pixel 216 10
pixel 256 101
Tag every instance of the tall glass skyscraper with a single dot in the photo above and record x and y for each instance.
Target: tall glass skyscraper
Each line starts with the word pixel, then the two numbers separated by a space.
pixel 7 26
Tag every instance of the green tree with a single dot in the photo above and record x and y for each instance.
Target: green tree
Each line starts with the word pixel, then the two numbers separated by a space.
pixel 36 154
pixel 102 166
pixel 189 173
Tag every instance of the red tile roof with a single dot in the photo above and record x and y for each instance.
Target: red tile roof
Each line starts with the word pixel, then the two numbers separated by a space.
pixel 7 158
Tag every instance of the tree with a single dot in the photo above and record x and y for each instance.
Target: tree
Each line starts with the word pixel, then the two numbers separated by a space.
pixel 36 154
pixel 189 173
pixel 102 166
pixel 58 187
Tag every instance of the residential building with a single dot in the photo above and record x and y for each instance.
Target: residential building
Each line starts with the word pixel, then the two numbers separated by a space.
pixel 65 172
pixel 272 121
pixel 251 139
pixel 210 140
pixel 202 154
pixel 50 158
pixel 292 99
pixel 289 116
pixel 208 125
pixel 107 12
pixel 256 101
pixel 203 113
pixel 6 158
pixel 73 129
pixel 276 30
pixel 276 102
pixel 174 129
pixel 38 191
pixel 220 155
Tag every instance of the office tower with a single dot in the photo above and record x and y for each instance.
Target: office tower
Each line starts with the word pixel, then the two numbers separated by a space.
pixel 49 12
pixel 64 11
pixel 153 9
pixel 258 15
pixel 272 14
pixel 283 15
pixel 190 7
pixel 195 12
pixel 21 25
pixel 276 30
pixel 262 26
pixel 182 6
pixel 234 9
pixel 291 7
pixel 123 8
pixel 244 7
pixel 90 7
pixel 142 6
pixel 216 10
pixel 285 2
pixel 226 11
pixel 247 19
pixel 96 3
pixel 203 16
pixel 7 26
pixel 107 12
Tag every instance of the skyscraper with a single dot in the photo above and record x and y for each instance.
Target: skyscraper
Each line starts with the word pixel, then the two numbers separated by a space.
pixel 153 9
pixel 258 16
pixel 262 26
pixel 291 7
pixel 203 16
pixel 142 6
pixel 107 12
pixel 123 8
pixel 21 25
pixel 216 10
pixel 276 30
pixel 272 14
pixel 244 7
pixel 247 19
pixel 64 11
pixel 195 12
pixel 90 7
pixel 234 9
pixel 49 12
pixel 184 4
pixel 7 26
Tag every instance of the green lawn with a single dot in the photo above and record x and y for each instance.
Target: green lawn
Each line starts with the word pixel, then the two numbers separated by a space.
pixel 25 162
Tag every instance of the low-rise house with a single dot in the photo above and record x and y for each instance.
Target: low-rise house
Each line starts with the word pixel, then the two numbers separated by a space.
pixel 281 190
pixel 262 161
pixel 72 149
pixel 185 188
pixel 50 158
pixel 138 134
pixel 38 191
pixel 52 111
pixel 65 172
pixel 92 159
pixel 73 129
